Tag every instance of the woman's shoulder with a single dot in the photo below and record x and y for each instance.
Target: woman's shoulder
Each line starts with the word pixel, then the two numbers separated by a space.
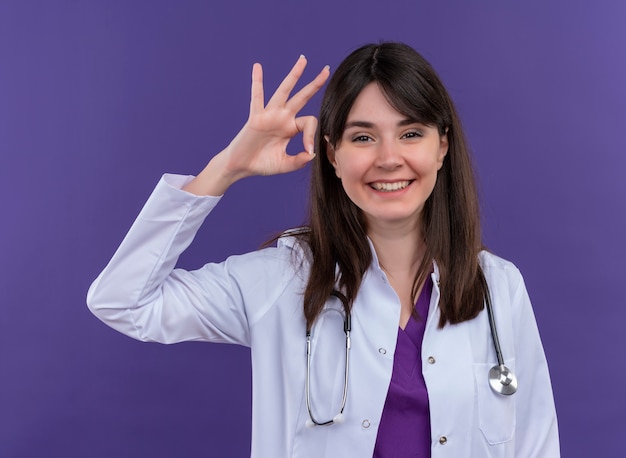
pixel 289 253
pixel 494 266
pixel 504 279
pixel 490 260
pixel 294 243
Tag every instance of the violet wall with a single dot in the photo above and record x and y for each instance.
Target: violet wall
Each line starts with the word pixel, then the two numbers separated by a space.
pixel 99 98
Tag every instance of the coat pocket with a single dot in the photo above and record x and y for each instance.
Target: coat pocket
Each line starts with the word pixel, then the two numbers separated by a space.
pixel 496 412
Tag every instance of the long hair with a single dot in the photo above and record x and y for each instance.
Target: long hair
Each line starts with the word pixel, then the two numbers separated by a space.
pixel 337 233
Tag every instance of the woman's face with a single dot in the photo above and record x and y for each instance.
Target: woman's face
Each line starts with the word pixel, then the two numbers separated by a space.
pixel 387 163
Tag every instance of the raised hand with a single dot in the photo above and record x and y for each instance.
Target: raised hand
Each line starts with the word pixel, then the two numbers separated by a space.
pixel 260 147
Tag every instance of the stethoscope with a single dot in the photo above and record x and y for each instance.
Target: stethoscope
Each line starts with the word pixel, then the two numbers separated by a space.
pixel 501 379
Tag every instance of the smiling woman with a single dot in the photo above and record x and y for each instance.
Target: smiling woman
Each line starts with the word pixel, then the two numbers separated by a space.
pixel 388 168
pixel 391 254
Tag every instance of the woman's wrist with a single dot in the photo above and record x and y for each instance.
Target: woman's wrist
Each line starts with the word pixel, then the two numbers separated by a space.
pixel 213 180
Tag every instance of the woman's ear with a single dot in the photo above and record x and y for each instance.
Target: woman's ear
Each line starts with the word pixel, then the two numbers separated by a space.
pixel 330 152
pixel 443 148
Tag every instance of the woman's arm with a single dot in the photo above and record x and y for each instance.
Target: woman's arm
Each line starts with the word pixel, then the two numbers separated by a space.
pixel 139 293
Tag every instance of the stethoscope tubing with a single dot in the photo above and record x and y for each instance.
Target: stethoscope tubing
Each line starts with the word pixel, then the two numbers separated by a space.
pixel 347 327
pixel 494 331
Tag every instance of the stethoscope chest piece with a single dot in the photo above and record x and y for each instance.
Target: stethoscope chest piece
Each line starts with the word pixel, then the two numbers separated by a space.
pixel 502 380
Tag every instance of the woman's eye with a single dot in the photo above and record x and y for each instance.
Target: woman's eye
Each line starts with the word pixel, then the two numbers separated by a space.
pixel 361 138
pixel 412 134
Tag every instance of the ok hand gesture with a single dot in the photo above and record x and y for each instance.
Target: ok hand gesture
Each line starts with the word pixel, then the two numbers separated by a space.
pixel 260 147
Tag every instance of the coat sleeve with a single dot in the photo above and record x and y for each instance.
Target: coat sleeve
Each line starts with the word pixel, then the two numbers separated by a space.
pixel 536 432
pixel 140 294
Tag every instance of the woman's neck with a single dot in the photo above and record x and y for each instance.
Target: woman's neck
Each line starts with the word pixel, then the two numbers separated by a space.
pixel 399 248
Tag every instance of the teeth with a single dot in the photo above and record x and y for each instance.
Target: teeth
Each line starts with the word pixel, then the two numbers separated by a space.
pixel 390 186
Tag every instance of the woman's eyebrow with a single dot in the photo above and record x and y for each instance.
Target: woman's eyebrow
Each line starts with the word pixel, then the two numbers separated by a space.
pixel 369 125
pixel 408 122
pixel 365 124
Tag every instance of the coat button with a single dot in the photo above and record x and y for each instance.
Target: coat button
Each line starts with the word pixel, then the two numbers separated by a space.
pixel 365 423
pixel 431 360
pixel 382 351
pixel 443 440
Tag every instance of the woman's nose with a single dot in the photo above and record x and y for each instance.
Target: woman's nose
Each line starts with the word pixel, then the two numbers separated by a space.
pixel 388 156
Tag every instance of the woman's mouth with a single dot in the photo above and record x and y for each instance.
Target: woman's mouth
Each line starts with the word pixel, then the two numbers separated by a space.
pixel 390 187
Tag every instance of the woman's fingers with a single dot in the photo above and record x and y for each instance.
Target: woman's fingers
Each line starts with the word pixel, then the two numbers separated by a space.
pixel 257 101
pixel 300 99
pixel 284 90
pixel 280 98
pixel 307 125
pixel 260 147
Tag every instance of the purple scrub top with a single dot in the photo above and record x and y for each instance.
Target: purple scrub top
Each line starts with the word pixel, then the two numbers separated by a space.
pixel 404 430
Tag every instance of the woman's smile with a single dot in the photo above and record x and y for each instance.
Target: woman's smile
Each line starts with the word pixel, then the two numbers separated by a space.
pixel 390 186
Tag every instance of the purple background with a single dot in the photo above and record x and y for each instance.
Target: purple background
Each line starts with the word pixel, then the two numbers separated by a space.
pixel 99 98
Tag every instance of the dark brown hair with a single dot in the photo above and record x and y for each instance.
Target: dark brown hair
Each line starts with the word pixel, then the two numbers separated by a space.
pixel 336 234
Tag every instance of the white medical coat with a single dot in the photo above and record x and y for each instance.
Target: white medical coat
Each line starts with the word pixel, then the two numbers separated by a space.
pixel 255 300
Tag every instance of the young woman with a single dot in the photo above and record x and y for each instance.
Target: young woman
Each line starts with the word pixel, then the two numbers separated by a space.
pixel 386 286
